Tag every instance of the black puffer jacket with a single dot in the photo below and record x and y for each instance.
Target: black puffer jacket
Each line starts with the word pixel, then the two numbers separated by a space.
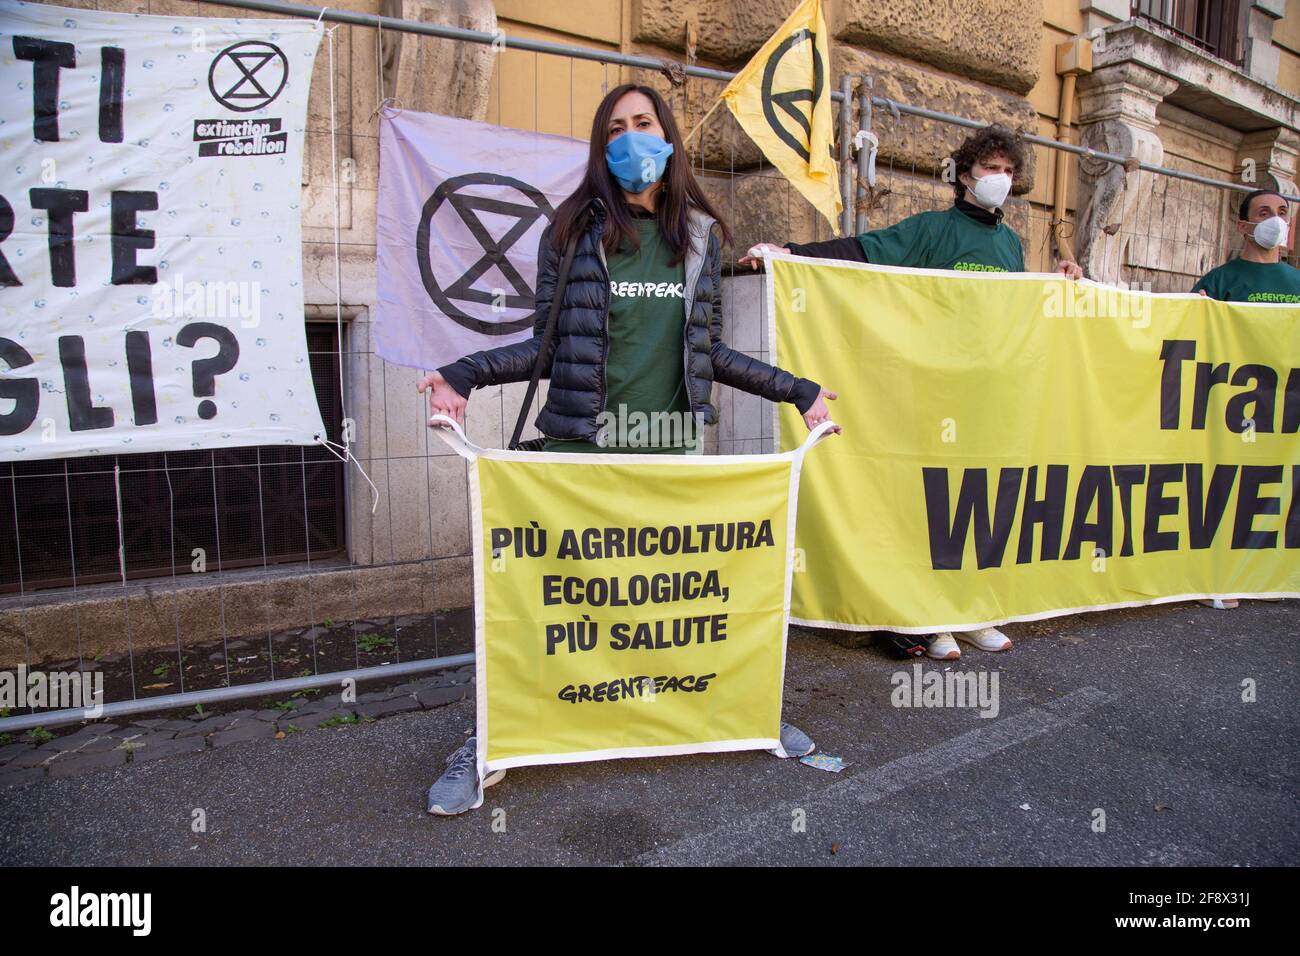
pixel 577 368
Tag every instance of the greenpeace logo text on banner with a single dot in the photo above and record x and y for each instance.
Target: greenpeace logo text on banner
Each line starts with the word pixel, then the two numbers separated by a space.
pixel 57 690
pixel 74 909
pixel 921 688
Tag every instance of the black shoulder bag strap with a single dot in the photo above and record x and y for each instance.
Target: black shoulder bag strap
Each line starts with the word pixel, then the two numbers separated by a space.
pixel 548 338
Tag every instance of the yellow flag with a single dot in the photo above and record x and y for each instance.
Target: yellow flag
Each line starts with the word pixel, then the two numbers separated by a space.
pixel 782 100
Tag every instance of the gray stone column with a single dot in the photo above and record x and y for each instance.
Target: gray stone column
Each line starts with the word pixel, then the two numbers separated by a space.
pixel 440 76
pixel 1271 154
pixel 1117 115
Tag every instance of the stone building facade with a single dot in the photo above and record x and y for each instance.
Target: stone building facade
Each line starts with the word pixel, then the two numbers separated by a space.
pixel 1152 92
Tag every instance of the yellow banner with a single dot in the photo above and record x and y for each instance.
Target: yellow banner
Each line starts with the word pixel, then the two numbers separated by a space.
pixel 1018 446
pixel 782 100
pixel 629 605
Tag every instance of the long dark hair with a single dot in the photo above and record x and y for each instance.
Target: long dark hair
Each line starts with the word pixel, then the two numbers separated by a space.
pixel 678 190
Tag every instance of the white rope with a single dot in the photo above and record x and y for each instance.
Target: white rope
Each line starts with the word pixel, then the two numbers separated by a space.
pixel 346 447
pixel 121 529
pixel 333 449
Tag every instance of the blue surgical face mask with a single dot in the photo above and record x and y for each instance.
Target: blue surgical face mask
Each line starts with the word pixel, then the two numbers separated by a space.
pixel 637 160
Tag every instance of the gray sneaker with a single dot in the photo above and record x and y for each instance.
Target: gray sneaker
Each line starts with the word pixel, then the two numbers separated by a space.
pixel 794 743
pixel 458 789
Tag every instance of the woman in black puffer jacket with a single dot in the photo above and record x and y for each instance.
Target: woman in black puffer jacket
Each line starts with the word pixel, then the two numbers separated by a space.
pixel 640 321
pixel 638 331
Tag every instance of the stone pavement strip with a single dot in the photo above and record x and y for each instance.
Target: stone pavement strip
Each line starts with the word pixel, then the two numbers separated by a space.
pixel 1137 713
pixel 99 746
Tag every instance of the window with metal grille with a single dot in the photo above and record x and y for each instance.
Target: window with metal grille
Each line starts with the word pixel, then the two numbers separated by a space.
pixel 1211 25
pixel 242 506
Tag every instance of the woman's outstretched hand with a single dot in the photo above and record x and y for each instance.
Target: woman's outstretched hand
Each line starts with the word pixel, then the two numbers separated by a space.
pixel 818 412
pixel 754 261
pixel 443 399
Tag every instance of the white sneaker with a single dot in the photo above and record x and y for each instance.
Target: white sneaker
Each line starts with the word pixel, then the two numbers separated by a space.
pixel 943 648
pixel 986 639
pixel 1220 604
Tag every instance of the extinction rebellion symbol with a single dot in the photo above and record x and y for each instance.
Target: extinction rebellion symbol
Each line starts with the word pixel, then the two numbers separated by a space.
pixel 495 251
pixel 788 98
pixel 248 76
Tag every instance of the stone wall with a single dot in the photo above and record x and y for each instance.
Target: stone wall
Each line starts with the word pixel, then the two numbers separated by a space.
pixel 994 41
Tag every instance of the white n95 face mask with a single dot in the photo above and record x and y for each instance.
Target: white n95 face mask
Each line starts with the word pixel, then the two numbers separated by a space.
pixel 992 191
pixel 1271 232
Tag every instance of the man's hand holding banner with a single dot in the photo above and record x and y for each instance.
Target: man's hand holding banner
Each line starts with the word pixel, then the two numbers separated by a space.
pixel 1023 446
pixel 629 605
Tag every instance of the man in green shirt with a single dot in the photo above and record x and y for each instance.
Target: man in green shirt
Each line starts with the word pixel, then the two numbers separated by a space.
pixel 969 236
pixel 1258 274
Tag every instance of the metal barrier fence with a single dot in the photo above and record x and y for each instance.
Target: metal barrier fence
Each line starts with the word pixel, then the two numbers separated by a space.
pixel 256 572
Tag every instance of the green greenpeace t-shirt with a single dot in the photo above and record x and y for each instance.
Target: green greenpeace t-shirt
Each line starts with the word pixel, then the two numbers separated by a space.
pixel 945 240
pixel 645 374
pixel 1242 281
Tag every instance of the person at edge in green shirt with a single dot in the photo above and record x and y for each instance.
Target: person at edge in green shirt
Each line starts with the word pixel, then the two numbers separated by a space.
pixel 1257 275
pixel 969 236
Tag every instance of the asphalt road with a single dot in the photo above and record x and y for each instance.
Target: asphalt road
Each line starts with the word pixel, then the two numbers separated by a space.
pixel 1138 714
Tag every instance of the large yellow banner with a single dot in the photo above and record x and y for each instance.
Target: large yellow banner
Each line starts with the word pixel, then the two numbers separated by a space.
pixel 1018 446
pixel 629 605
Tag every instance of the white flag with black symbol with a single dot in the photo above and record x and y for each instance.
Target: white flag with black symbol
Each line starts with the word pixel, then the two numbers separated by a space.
pixel 462 206
pixel 150 239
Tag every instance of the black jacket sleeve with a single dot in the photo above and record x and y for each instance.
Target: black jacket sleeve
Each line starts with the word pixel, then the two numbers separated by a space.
pixel 849 249
pixel 511 363
pixel 804 394
pixel 742 371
